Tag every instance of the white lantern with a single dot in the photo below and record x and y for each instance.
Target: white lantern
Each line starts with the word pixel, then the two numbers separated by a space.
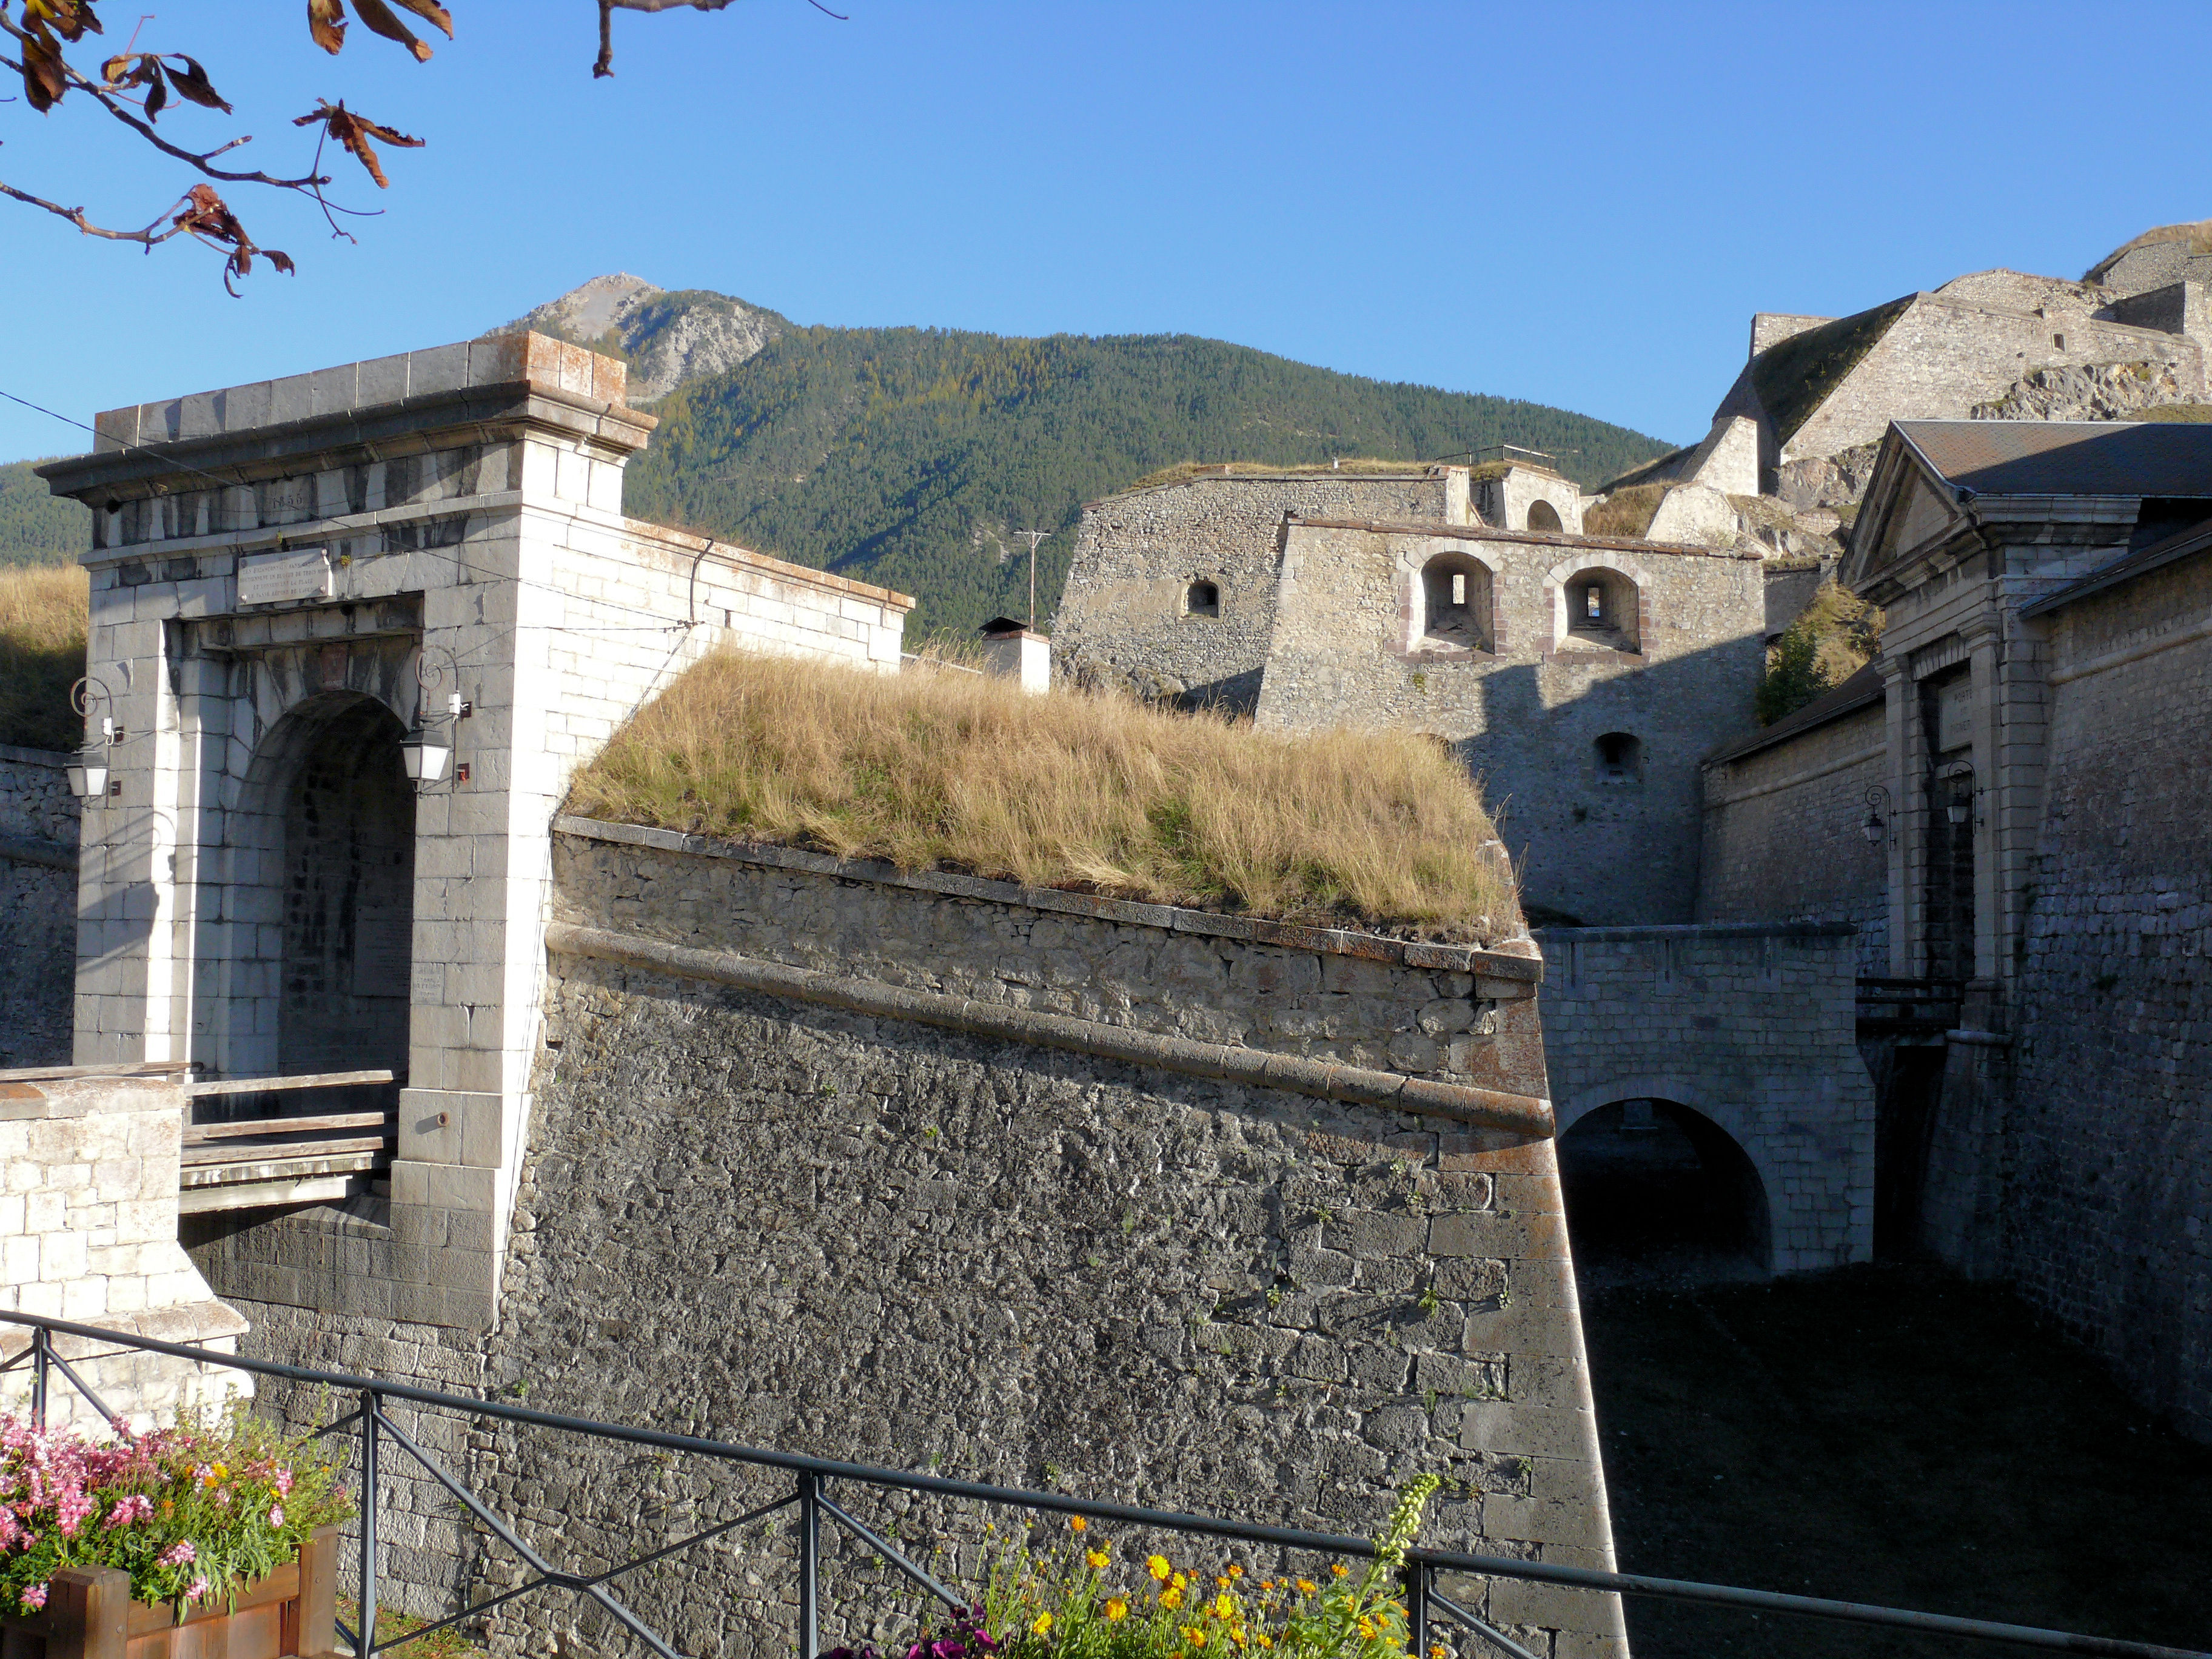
pixel 88 778
pixel 425 756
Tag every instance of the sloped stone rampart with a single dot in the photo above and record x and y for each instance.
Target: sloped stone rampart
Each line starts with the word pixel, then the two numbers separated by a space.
pixel 38 906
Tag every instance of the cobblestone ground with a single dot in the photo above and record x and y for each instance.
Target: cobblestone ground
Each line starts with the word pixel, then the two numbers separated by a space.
pixel 1888 1435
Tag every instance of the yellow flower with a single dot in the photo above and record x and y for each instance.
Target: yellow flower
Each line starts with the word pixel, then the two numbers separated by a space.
pixel 1180 1581
pixel 1366 1627
pixel 1439 1652
pixel 1043 1624
pixel 1223 1605
pixel 1264 1640
pixel 1198 1638
pixel 1158 1566
pixel 1171 1598
pixel 1116 1608
pixel 1077 1523
pixel 1338 1568
pixel 1097 1559
pixel 1307 1587
pixel 1237 1634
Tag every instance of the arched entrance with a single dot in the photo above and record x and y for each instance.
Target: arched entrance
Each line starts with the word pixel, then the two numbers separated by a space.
pixel 1654 1189
pixel 327 821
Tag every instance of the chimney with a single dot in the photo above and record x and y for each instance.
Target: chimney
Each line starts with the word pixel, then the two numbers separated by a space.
pixel 1013 652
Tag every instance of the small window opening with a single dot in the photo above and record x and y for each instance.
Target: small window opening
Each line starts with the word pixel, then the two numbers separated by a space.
pixel 1459 587
pixel 1594 603
pixel 2058 340
pixel 1204 599
pixel 1542 515
pixel 1620 758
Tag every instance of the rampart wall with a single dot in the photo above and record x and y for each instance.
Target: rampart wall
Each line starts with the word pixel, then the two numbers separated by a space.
pixel 1943 356
pixel 1785 834
pixel 1611 840
pixel 1123 616
pixel 1035 1188
pixel 2086 1140
pixel 38 906
pixel 1752 1027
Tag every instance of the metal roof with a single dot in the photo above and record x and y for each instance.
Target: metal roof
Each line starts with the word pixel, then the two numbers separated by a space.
pixel 2068 458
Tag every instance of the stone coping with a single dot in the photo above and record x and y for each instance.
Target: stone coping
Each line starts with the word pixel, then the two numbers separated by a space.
pixel 1699 930
pixel 1485 532
pixel 187 1323
pixel 227 460
pixel 687 541
pixel 1504 964
pixel 53 757
pixel 1232 473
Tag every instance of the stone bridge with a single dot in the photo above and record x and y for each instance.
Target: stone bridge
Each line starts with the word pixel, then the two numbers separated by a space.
pixel 1749 1031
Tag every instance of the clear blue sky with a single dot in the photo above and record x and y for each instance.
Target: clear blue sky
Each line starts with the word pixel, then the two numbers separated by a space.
pixel 1580 205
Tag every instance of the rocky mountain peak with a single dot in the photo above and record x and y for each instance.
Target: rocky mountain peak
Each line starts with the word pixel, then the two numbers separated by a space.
pixel 667 337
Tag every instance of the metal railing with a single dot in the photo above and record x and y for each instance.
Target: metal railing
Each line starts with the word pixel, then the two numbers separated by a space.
pixel 813 1479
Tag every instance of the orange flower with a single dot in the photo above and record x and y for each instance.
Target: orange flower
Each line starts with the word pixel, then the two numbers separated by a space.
pixel 1117 1609
pixel 1338 1568
pixel 1236 1572
pixel 1077 1523
pixel 1097 1559
pixel 1171 1597
pixel 1307 1587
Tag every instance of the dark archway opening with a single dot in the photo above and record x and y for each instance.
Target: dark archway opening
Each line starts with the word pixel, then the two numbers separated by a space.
pixel 348 913
pixel 1543 516
pixel 1655 1190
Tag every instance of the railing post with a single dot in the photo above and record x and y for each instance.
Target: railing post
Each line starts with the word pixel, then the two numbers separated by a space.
pixel 364 1640
pixel 810 1563
pixel 1416 1579
pixel 42 1343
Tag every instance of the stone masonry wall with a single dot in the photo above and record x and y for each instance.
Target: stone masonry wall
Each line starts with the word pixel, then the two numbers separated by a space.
pixel 1944 355
pixel 791 1225
pixel 1122 615
pixel 1527 715
pixel 2106 1183
pixel 1752 1027
pixel 1786 836
pixel 89 1232
pixel 38 906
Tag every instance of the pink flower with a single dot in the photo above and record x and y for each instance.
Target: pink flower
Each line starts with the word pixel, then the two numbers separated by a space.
pixel 34 1597
pixel 200 1589
pixel 180 1555
pixel 283 1483
pixel 276 1515
pixel 134 1506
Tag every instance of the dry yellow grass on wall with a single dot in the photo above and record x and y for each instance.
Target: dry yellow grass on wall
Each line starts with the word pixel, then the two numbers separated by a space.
pixel 42 623
pixel 947 770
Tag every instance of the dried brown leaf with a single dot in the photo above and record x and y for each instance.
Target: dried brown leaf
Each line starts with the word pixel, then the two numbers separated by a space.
pixel 326 23
pixel 45 79
pixel 378 19
pixel 191 82
pixel 431 12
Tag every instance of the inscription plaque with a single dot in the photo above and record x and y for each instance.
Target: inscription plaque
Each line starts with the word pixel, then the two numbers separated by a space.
pixel 276 577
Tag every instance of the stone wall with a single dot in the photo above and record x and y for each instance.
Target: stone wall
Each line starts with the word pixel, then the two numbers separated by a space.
pixel 38 906
pixel 2105 1179
pixel 89 1232
pixel 1037 1230
pixel 1750 1027
pixel 1602 836
pixel 1785 834
pixel 1944 355
pixel 1123 615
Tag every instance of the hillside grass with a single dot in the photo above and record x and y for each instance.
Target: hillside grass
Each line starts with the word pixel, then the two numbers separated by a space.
pixel 949 771
pixel 42 630
pixel 1627 511
pixel 36 525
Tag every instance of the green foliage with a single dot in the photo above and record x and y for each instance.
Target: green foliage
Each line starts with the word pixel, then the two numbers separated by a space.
pixel 1065 1599
pixel 36 527
pixel 910 457
pixel 1794 676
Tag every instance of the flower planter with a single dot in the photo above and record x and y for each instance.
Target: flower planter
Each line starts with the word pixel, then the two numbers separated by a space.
pixel 90 1615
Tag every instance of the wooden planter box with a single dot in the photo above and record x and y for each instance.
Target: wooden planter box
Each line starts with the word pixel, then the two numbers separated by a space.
pixel 90 1615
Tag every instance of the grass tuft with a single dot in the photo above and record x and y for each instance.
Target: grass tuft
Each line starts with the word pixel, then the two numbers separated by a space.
pixel 940 770
pixel 42 629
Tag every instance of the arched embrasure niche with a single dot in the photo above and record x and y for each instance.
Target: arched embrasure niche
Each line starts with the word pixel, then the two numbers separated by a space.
pixel 1597 607
pixel 1456 612
pixel 1656 1189
pixel 321 899
pixel 1543 516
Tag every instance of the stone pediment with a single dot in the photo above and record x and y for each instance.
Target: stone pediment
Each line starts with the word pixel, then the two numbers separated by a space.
pixel 1907 508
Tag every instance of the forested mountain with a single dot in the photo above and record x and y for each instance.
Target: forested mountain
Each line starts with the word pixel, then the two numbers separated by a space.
pixel 910 457
pixel 35 528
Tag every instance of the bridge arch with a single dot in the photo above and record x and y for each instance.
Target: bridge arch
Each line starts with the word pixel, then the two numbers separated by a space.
pixel 1666 1174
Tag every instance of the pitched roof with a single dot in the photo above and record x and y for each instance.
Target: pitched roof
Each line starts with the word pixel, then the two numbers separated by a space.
pixel 2067 458
pixel 1853 695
